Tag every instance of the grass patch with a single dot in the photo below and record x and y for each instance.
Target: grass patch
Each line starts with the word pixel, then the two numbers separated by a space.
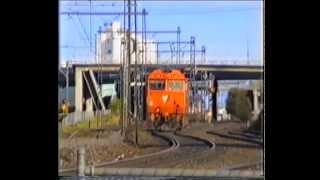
pixel 109 122
pixel 144 136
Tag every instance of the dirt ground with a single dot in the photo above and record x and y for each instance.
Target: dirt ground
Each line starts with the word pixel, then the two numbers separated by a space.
pixel 104 146
pixel 108 145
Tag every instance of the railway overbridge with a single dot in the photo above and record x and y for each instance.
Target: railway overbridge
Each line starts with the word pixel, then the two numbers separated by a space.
pixel 85 77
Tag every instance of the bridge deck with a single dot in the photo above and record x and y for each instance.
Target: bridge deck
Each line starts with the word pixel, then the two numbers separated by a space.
pixel 221 72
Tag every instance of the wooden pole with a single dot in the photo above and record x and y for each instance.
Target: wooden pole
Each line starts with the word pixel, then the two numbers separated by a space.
pixel 81 161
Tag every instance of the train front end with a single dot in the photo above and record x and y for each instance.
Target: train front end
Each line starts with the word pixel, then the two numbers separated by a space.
pixel 167 98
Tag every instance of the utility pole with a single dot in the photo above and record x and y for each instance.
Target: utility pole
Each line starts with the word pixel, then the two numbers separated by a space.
pixel 192 57
pixel 178 46
pixel 67 82
pixel 143 78
pixel 203 54
pixel 248 60
pixel 129 58
pixel 124 76
pixel 157 53
pixel 171 50
pixel 135 73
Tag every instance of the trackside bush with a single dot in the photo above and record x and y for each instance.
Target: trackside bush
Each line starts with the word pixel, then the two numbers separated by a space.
pixel 238 104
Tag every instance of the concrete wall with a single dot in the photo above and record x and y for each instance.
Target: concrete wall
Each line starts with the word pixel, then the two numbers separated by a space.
pixel 108 90
pixel 89 105
pixel 78 89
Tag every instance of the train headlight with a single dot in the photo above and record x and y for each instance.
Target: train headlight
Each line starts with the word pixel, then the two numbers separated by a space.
pixel 165 98
pixel 151 103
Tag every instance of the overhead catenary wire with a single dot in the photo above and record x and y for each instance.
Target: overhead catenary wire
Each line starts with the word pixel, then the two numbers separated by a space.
pixel 170 12
pixel 86 35
pixel 84 38
pixel 74 47
pixel 80 34
pixel 188 12
pixel 95 5
pixel 84 30
pixel 84 13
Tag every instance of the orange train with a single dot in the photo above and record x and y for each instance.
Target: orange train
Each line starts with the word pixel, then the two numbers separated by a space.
pixel 167 98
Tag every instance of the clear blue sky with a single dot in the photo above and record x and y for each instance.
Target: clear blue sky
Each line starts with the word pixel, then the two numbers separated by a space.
pixel 224 27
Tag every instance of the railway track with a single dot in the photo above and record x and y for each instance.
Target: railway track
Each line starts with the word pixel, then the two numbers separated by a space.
pixel 183 150
pixel 238 137
pixel 174 144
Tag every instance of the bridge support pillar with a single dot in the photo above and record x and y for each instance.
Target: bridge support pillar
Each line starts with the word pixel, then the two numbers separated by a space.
pixel 78 89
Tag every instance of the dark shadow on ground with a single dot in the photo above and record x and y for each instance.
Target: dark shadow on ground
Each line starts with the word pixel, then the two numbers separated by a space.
pixel 239 145
pixel 193 145
pixel 253 136
pixel 181 145
pixel 236 138
pixel 153 146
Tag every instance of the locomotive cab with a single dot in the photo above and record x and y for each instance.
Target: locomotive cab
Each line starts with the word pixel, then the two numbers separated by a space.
pixel 167 98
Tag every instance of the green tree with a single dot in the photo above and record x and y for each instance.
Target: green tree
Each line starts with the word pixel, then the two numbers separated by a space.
pixel 258 124
pixel 238 104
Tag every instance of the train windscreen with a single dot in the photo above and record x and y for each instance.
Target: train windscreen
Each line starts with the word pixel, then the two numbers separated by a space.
pixel 175 85
pixel 156 85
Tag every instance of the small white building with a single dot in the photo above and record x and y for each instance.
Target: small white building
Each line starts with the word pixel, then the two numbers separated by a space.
pixel 110 49
pixel 223 115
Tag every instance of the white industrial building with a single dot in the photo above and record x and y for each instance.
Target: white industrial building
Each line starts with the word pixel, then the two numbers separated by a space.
pixel 110 50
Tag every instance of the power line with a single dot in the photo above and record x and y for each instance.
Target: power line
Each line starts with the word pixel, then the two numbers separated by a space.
pixel 96 5
pixel 97 13
pixel 87 1
pixel 86 34
pixel 73 47
pixel 83 28
pixel 90 30
pixel 163 12
pixel 170 12
pixel 81 35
